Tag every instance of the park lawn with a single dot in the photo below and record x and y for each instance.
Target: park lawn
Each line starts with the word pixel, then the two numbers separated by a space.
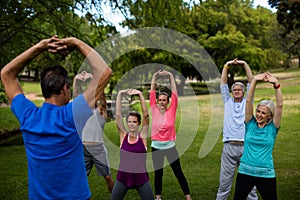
pixel 202 173
pixel 31 87
pixel 9 122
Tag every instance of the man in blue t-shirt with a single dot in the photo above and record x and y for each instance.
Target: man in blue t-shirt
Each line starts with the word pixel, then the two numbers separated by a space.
pixel 51 133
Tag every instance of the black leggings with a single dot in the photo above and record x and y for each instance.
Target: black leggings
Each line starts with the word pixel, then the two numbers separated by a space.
pixel 158 163
pixel 265 186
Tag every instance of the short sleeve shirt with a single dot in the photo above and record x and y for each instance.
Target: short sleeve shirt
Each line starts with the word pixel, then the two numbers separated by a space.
pixel 51 135
pixel 163 126
pixel 257 158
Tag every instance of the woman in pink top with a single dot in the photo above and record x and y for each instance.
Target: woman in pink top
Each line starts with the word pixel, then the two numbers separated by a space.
pixel 164 134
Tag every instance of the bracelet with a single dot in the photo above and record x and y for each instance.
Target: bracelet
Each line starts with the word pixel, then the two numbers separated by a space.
pixel 276 87
pixel 226 66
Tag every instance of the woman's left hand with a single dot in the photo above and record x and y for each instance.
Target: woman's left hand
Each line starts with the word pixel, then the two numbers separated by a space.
pixel 271 79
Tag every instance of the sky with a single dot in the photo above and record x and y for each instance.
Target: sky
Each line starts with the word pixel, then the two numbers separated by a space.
pixel 263 3
pixel 117 18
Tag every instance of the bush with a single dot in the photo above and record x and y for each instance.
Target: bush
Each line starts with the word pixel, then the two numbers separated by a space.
pixel 3 98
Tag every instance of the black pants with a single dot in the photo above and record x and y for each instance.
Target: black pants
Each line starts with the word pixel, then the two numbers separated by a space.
pixel 265 186
pixel 158 163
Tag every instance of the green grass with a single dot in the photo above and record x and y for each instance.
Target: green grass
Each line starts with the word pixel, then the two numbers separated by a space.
pixel 31 87
pixel 7 120
pixel 202 173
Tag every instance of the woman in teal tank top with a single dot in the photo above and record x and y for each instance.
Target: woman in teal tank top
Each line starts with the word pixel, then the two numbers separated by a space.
pixel 257 165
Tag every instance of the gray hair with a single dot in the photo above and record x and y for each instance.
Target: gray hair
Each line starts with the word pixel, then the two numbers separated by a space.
pixel 240 84
pixel 270 105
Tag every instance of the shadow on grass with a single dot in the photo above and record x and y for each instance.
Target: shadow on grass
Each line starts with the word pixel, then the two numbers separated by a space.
pixel 10 138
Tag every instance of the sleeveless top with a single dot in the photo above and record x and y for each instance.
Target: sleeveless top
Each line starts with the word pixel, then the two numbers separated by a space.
pixel 132 170
pixel 93 129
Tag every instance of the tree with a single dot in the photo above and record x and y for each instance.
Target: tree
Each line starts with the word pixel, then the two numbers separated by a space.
pixel 288 16
pixel 23 23
pixel 226 29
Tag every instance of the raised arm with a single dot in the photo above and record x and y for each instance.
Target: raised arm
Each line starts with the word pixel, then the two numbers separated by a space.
pixel 163 73
pixel 76 86
pixel 247 70
pixel 153 81
pixel 145 116
pixel 79 80
pixel 101 72
pixel 102 107
pixel 279 100
pixel 224 76
pixel 10 71
pixel 119 118
pixel 172 80
pixel 250 96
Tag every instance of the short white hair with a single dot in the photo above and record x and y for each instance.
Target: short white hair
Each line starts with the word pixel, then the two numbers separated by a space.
pixel 240 84
pixel 270 105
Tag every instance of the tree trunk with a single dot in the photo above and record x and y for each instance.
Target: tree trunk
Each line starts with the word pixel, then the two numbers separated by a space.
pixel 36 75
pixel 180 86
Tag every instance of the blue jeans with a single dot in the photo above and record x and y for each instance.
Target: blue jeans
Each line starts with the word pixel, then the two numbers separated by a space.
pixel 119 191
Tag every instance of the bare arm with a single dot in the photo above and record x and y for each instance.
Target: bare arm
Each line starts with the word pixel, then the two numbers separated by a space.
pixel 250 96
pixel 79 79
pixel 247 70
pixel 145 117
pixel 119 118
pixel 249 101
pixel 102 108
pixel 76 87
pixel 101 72
pixel 10 71
pixel 279 100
